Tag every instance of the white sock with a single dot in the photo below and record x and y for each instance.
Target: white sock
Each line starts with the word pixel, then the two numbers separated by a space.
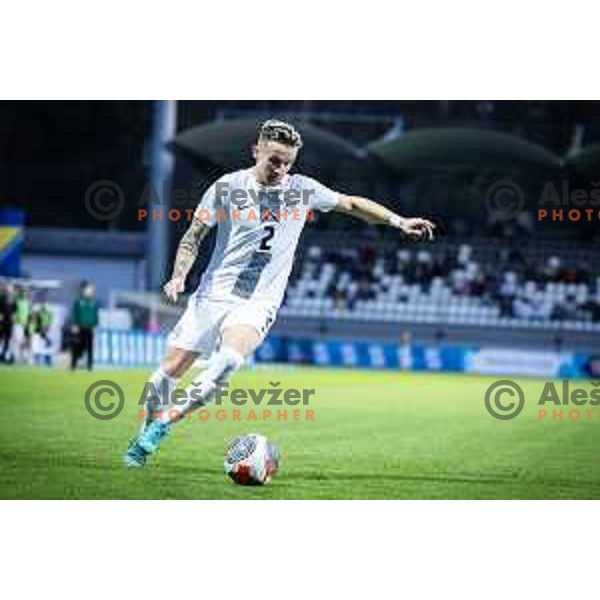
pixel 219 368
pixel 164 386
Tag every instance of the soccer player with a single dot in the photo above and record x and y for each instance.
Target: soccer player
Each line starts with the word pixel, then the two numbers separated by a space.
pixel 260 213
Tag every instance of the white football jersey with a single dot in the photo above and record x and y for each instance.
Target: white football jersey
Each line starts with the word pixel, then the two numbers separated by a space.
pixel 258 232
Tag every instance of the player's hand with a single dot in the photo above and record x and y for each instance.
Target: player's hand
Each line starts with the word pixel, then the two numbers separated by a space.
pixel 74 329
pixel 418 228
pixel 174 287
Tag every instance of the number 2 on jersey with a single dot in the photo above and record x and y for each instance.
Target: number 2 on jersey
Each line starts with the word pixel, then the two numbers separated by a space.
pixel 270 231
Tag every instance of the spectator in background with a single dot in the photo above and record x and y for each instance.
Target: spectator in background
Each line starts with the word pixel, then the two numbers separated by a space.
pixel 41 344
pixel 20 339
pixel 405 351
pixel 363 292
pixel 7 315
pixel 339 298
pixel 594 308
pixel 85 320
pixel 45 320
pixel 552 268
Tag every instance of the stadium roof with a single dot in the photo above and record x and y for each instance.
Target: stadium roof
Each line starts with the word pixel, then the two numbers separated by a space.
pixel 587 161
pixel 227 144
pixel 445 148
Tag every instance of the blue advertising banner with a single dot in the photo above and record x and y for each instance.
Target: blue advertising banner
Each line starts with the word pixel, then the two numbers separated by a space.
pixel 135 348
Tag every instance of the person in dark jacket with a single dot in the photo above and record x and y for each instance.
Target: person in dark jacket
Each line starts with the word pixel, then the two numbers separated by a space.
pixel 8 308
pixel 85 320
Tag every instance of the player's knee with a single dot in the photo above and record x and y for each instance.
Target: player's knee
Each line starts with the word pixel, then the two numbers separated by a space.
pixel 243 339
pixel 174 366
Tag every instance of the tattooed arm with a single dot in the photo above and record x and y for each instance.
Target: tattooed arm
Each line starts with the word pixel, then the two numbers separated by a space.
pixel 186 256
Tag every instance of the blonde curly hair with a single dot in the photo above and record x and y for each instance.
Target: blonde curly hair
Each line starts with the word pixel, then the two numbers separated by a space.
pixel 273 130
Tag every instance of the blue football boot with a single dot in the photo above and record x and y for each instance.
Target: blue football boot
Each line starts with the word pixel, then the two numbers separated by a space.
pixel 146 443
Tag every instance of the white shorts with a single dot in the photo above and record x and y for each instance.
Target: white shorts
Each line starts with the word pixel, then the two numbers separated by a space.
pixel 200 327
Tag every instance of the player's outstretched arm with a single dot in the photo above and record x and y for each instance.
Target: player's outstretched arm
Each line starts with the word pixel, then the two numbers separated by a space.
pixel 187 253
pixel 377 214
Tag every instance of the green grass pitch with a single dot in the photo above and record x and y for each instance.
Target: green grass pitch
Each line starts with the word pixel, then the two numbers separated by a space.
pixel 375 435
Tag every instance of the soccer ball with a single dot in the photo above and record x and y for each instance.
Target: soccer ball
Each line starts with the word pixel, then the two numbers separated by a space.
pixel 251 459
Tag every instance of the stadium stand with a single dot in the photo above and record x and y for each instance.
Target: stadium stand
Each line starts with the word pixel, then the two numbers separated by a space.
pixel 477 284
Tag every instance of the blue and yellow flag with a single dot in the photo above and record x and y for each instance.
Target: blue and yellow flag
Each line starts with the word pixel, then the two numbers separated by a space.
pixel 11 241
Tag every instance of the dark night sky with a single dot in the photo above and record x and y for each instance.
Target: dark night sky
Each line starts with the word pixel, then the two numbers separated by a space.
pixel 52 151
